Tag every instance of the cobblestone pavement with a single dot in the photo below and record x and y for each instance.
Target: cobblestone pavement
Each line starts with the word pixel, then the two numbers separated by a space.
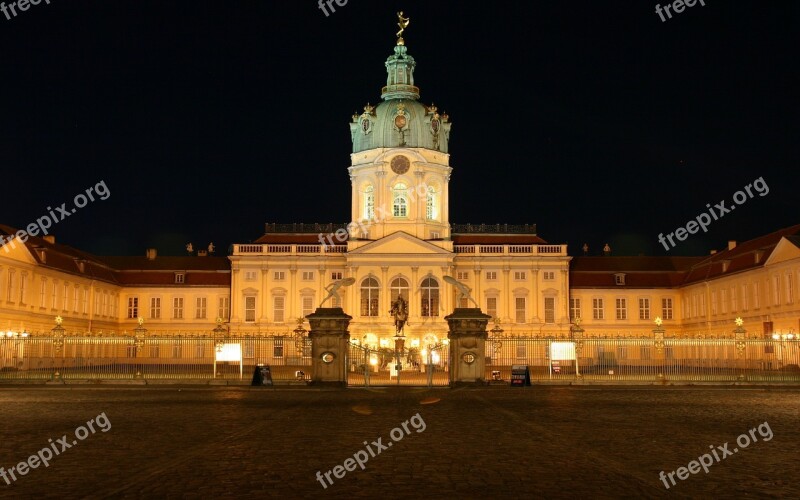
pixel 495 442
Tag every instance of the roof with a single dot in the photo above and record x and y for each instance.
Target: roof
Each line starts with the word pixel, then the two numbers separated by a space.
pixel 640 272
pixel 742 257
pixel 126 270
pixel 496 239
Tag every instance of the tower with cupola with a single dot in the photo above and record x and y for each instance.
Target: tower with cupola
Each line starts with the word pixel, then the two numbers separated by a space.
pixel 400 165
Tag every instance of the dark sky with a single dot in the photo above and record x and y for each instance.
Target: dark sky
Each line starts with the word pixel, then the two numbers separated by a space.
pixel 593 119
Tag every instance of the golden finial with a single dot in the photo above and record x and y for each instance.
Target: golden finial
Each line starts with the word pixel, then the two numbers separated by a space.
pixel 659 321
pixel 739 322
pixel 403 23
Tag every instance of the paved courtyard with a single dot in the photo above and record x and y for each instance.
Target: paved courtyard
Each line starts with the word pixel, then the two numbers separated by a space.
pixel 495 442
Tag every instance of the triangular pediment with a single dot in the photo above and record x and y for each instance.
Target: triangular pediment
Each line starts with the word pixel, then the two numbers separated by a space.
pixel 785 250
pixel 400 243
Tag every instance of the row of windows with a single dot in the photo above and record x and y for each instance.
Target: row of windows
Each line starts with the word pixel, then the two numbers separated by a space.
pixel 400 201
pixel 741 298
pixel 200 309
pixel 518 275
pixel 58 296
pixel 281 275
pixel 620 308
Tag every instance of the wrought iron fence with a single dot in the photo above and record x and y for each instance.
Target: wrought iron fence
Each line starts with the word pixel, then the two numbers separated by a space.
pixel 153 357
pixel 379 367
pixel 682 360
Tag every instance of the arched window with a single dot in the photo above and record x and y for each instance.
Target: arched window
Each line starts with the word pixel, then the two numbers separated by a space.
pixel 400 201
pixel 370 292
pixel 431 212
pixel 430 297
pixel 399 287
pixel 369 203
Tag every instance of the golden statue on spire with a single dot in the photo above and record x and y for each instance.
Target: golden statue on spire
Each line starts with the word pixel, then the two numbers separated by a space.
pixel 403 23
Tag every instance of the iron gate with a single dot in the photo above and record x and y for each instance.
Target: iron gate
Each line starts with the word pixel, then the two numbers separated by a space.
pixel 388 367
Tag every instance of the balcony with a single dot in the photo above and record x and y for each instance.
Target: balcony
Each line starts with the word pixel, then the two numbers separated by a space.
pixel 254 249
pixel 514 250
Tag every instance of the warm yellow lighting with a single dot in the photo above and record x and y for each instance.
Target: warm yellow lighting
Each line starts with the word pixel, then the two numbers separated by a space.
pixel 739 321
pixel 414 342
pixel 435 357
pixel 659 321
pixel 373 360
pixel 560 351
pixel 775 336
pixel 384 342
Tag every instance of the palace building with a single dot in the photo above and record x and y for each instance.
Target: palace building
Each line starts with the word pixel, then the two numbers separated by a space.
pixel 401 242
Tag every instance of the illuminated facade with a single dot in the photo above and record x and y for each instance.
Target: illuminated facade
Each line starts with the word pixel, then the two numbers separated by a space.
pixel 401 242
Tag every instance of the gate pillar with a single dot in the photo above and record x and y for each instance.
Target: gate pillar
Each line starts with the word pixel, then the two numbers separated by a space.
pixel 329 343
pixel 467 345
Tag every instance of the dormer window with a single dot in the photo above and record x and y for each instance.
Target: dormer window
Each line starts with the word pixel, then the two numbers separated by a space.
pixel 180 278
pixel 725 265
pixel 619 279
pixel 81 265
pixel 758 255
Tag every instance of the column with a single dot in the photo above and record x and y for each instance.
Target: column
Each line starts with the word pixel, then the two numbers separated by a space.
pixel 329 343
pixel 264 318
pixel 507 295
pixel 292 312
pixel 413 295
pixel 467 334
pixel 565 297
pixel 235 294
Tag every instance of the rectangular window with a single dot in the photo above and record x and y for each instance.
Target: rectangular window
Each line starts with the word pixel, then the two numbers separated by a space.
pixel 491 275
pixel 549 310
pixel 10 288
pixel 43 294
pixel 666 308
pixel 76 301
pixel 776 289
pixel 154 351
pixel 308 275
pixel 744 297
pixel 133 307
pixel 734 301
pixel 250 309
pixel 177 350
pixel 622 308
pixel 574 309
pixel 462 275
pixel 155 307
pixel 519 303
pixel 597 309
pixel 789 289
pixel 308 305
pixel 519 275
pixel 714 302
pixel 199 351
pixel 723 297
pixel 250 275
pixel 277 348
pixel 278 305
pixel 279 275
pixel 644 353
pixel 756 296
pixel 224 308
pixel 522 351
pixel 491 306
pixel 85 301
pixel 177 308
pixel 644 308
pixel 54 291
pixel 105 303
pixel 549 275
pixel 200 307
pixel 23 285
pixel 619 279
pixel 336 275
pixel 180 278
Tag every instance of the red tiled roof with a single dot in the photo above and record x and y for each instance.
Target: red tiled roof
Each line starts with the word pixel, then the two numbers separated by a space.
pixel 640 272
pixel 741 258
pixel 126 270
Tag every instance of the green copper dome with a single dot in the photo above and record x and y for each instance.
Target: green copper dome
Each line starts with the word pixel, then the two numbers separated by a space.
pixel 400 120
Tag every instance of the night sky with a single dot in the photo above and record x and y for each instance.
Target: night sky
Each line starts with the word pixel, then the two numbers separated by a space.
pixel 205 119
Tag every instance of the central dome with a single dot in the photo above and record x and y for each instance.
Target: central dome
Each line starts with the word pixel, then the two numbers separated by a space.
pixel 400 120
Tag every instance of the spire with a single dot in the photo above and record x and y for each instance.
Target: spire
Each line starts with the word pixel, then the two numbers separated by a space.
pixel 400 68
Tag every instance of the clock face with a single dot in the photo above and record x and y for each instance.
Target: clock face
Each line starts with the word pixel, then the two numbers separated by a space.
pixel 400 121
pixel 400 164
